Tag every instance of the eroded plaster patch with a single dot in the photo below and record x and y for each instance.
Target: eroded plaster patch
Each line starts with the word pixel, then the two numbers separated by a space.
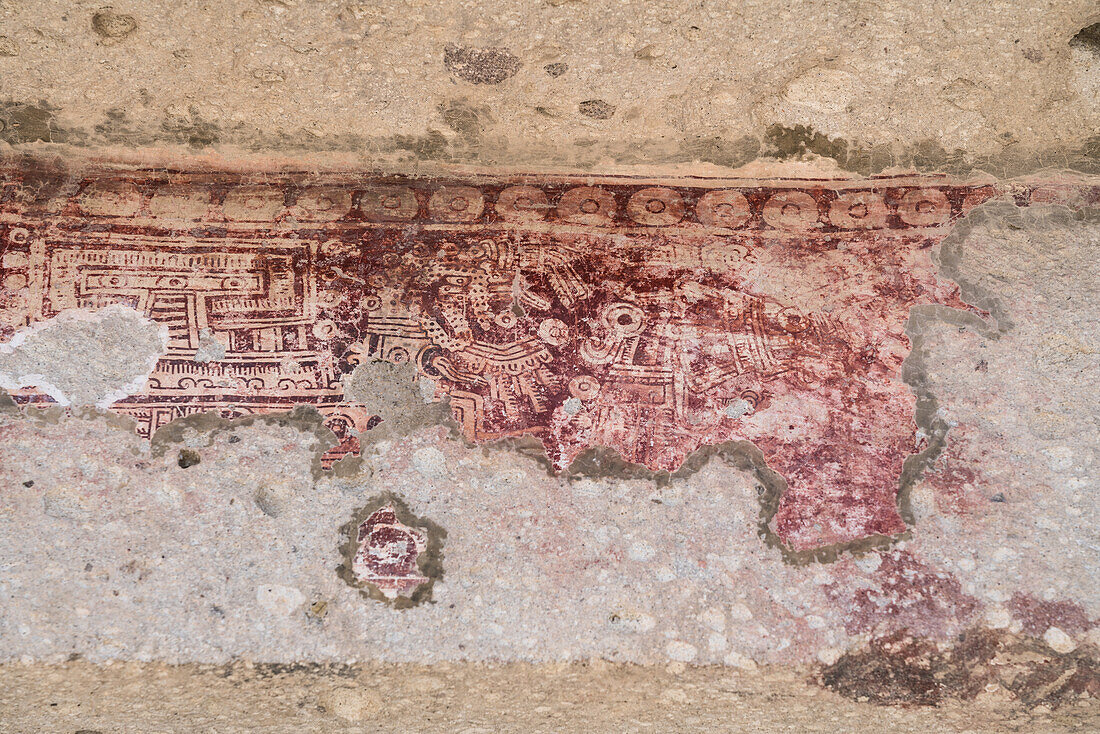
pixel 84 356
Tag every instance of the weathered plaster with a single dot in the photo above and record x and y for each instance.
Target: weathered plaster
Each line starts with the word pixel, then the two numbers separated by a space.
pixel 83 356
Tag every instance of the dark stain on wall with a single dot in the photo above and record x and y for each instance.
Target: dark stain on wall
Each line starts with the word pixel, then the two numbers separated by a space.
pixel 901 670
pixel 480 66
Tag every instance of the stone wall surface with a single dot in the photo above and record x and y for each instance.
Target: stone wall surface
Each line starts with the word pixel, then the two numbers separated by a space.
pixel 414 333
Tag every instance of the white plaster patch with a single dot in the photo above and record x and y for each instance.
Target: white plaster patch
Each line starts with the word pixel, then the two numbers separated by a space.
pixel 714 619
pixel 640 551
pixel 1059 641
pixel 740 613
pixel 738 408
pixel 829 655
pixel 430 462
pixel 427 389
pixel 737 660
pixel 682 652
pixel 84 356
pixel 280 601
pixel 997 617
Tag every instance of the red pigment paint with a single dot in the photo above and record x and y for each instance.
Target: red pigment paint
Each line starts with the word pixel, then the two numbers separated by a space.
pixel 652 317
pixel 387 554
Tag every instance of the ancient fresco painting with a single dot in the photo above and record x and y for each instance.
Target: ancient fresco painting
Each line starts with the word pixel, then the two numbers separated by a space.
pixel 653 317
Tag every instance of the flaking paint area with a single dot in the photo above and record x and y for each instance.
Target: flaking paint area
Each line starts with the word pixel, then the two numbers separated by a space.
pixel 785 328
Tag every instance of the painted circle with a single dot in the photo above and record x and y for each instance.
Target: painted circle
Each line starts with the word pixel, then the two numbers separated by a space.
pixel 398 355
pixel 584 387
pixel 793 321
pixel 456 203
pixel 522 204
pixel 655 207
pixel 323 204
pixel 587 205
pixel 505 319
pixel 15 281
pixel 858 210
pixel 625 319
pixel 253 203
pixel 725 208
pixel 553 331
pixel 178 201
pixel 389 204
pixel 924 207
pixel 324 329
pixel 110 199
pixel 792 210
pixel 14 260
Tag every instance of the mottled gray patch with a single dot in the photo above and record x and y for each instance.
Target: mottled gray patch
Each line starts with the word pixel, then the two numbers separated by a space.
pixel 597 109
pixel 26 123
pixel 480 66
pixel 209 349
pixel 392 392
pixel 208 426
pixel 431 146
pixel 191 130
pixel 467 120
pixel 84 357
pixel 270 501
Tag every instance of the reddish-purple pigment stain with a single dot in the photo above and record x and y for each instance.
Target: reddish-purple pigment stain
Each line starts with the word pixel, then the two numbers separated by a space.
pixel 387 554
pixel 650 316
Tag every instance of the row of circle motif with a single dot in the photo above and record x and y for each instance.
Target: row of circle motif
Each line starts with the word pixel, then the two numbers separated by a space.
pixel 789 209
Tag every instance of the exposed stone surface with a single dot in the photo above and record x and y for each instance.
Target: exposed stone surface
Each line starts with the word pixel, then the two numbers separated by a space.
pixel 575 699
pixel 1009 87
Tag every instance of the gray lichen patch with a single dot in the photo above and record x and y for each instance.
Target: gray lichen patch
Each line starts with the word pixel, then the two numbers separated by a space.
pixel 27 123
pixel 84 357
pixel 394 393
pixel 203 429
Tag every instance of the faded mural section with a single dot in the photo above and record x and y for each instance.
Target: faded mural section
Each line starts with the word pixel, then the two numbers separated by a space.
pixel 742 421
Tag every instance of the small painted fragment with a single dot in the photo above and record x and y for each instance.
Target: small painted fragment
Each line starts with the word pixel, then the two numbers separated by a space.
pixel 388 550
